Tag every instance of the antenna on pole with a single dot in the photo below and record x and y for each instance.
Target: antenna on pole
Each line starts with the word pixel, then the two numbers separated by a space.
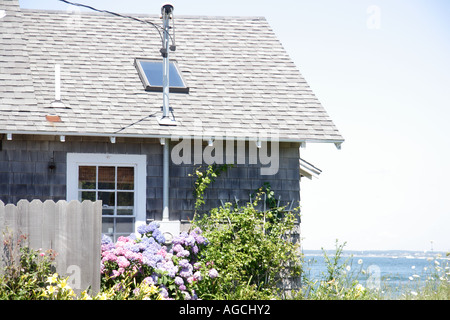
pixel 166 14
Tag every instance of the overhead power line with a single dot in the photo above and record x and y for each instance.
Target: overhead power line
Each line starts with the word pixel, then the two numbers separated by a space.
pixel 158 28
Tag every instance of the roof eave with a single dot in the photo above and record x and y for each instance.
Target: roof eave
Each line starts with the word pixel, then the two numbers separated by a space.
pixel 301 141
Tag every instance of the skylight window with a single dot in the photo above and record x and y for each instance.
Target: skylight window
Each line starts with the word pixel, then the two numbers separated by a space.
pixel 151 74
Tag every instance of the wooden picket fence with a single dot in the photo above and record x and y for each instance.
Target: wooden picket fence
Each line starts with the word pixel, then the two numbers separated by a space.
pixel 72 229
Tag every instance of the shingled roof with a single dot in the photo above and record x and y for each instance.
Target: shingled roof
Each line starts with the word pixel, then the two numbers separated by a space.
pixel 240 78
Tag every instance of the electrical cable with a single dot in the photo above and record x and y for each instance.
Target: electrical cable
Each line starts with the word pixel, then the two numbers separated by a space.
pixel 158 28
pixel 136 122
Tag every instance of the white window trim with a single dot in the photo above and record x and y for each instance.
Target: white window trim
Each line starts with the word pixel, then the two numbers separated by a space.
pixel 74 160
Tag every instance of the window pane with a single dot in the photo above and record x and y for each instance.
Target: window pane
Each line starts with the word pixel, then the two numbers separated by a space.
pixel 86 195
pixel 154 72
pixel 125 212
pixel 107 178
pixel 125 199
pixel 107 211
pixel 174 77
pixel 108 226
pixel 86 177
pixel 124 225
pixel 125 178
pixel 107 197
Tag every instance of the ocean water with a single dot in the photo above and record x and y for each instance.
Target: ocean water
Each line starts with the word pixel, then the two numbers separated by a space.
pixel 396 270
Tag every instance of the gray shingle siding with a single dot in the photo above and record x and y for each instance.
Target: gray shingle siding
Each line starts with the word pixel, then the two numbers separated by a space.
pixel 25 174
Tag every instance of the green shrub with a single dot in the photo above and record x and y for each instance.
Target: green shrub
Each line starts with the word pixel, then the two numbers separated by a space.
pixel 25 271
pixel 250 249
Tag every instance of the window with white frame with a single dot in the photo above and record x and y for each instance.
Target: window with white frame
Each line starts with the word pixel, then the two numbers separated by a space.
pixel 119 181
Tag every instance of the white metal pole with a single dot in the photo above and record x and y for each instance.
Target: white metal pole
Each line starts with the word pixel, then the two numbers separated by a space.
pixel 166 160
pixel 165 215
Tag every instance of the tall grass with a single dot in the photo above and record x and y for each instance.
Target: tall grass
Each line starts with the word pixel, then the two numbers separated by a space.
pixel 344 281
pixel 432 284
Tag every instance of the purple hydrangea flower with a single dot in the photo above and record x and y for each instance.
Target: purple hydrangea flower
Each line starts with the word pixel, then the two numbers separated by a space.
pixel 132 236
pixel 148 229
pixel 106 239
pixel 183 253
pixel 198 276
pixel 149 281
pixel 163 292
pixel 136 291
pixel 142 229
pixel 184 263
pixel 201 240
pixel 213 273
pixel 187 296
pixel 177 248
pixel 197 265
pixel 186 272
pixel 179 281
pixel 189 241
pixel 180 239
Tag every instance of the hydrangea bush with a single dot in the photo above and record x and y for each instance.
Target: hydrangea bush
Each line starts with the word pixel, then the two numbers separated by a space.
pixel 177 272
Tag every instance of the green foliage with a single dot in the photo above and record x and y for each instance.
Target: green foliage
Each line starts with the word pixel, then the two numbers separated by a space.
pixel 25 270
pixel 218 290
pixel 127 288
pixel 337 283
pixel 250 249
pixel 58 289
pixel 204 179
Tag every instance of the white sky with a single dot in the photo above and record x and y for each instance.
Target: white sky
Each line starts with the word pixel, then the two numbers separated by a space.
pixel 381 69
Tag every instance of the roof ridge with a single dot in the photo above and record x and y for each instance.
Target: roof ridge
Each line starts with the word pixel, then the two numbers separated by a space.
pixel 183 16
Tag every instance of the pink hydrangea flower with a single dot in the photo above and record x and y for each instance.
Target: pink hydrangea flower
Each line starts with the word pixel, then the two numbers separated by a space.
pixel 109 256
pixel 162 252
pixel 124 239
pixel 115 273
pixel 123 262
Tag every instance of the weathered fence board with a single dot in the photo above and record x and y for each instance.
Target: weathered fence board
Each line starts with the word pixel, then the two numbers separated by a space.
pixel 72 229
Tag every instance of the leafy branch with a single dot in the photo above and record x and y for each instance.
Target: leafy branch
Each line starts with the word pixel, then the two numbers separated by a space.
pixel 204 179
